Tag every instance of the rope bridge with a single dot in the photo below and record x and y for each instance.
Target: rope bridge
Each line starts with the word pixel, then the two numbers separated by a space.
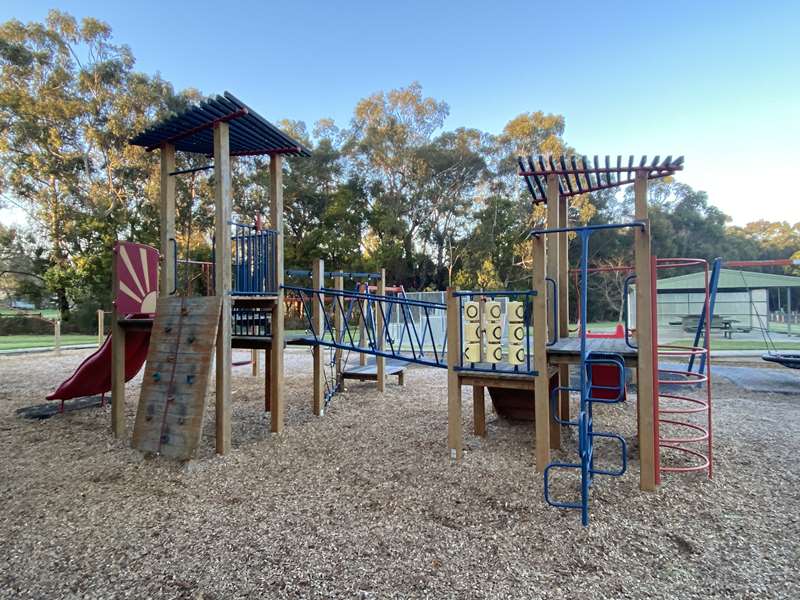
pixel 350 322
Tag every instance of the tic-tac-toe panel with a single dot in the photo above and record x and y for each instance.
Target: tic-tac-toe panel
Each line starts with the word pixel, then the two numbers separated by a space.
pixel 169 419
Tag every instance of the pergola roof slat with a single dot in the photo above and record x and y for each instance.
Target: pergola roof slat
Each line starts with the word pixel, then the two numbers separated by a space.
pixel 596 174
pixel 574 162
pixel 192 130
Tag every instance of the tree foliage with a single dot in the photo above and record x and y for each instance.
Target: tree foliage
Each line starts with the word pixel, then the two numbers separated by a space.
pixel 392 188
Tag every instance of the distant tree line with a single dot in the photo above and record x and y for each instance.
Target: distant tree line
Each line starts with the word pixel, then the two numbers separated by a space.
pixel 393 188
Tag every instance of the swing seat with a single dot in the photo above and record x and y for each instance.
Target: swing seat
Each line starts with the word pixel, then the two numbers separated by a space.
pixel 790 360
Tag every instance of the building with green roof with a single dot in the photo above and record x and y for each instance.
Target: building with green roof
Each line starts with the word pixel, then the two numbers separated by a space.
pixel 748 297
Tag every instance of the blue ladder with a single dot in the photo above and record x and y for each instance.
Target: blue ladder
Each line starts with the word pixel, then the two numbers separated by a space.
pixel 587 389
pixel 586 432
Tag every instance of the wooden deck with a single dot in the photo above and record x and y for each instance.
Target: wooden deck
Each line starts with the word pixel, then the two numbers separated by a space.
pixel 568 350
pixel 369 372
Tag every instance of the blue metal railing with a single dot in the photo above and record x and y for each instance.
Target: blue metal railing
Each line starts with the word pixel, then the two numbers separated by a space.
pixel 590 393
pixel 526 297
pixel 426 344
pixel 254 257
pixel 625 313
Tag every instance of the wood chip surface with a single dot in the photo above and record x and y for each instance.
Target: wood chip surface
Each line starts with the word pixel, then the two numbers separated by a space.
pixel 364 503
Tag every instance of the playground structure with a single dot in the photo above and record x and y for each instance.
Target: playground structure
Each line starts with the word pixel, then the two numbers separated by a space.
pixel 177 333
pixel 516 343
pixel 535 359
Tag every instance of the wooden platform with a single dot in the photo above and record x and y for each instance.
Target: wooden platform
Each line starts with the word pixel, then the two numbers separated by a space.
pixel 369 372
pixel 251 342
pixel 503 376
pixel 568 350
pixel 300 341
pixel 253 301
pixel 517 404
pixel 169 419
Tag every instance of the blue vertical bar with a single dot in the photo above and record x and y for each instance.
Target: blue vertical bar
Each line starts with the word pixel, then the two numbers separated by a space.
pixel 264 259
pixel 584 417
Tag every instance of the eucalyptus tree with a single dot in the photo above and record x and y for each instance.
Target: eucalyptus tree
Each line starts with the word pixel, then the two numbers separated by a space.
pixel 69 101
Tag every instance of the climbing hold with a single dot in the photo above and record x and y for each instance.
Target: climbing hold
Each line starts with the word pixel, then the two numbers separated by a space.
pixel 156 376
pixel 190 379
pixel 191 339
pixel 167 329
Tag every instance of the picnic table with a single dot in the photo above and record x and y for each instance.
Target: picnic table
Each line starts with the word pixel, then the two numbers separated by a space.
pixel 720 322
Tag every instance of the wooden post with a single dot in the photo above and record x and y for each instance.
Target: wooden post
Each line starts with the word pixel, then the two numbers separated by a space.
pixel 255 355
pixel 57 336
pixel 101 315
pixel 267 378
pixel 338 325
pixel 318 282
pixel 276 370
pixel 563 301
pixel 542 384
pixel 788 312
pixel 479 410
pixel 222 278
pixel 167 218
pixel 454 433
pixel 553 271
pixel 648 453
pixel 117 361
pixel 380 325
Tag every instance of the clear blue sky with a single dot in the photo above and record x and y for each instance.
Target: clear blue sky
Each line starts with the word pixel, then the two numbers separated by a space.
pixel 716 81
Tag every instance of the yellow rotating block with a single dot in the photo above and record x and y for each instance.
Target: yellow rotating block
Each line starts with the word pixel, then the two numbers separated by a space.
pixel 492 310
pixel 494 331
pixel 516 312
pixel 494 353
pixel 516 354
pixel 472 352
pixel 472 332
pixel 516 333
pixel 472 312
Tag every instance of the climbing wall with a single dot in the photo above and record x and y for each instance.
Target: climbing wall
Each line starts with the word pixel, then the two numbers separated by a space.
pixel 169 420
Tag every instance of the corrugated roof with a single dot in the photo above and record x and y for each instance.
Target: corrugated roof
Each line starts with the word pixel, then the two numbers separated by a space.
pixel 579 175
pixel 192 130
pixel 730 279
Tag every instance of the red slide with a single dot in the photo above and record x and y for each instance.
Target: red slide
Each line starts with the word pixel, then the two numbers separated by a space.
pixel 93 376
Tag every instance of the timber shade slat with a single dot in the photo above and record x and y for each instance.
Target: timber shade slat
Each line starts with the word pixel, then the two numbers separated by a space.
pixel 192 130
pixel 579 175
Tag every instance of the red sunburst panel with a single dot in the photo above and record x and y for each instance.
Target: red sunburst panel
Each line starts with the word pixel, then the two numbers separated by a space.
pixel 137 275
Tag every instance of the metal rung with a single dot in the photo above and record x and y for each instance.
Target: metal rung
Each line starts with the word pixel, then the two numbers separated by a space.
pixel 623 453
pixel 554 405
pixel 556 503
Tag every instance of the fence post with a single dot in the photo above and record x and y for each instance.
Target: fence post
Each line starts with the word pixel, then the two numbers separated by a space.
pixel 100 326
pixel 57 335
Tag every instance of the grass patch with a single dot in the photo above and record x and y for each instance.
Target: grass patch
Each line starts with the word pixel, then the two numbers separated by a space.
pixel 21 342
pixel 742 345
pixel 598 326
pixel 783 327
